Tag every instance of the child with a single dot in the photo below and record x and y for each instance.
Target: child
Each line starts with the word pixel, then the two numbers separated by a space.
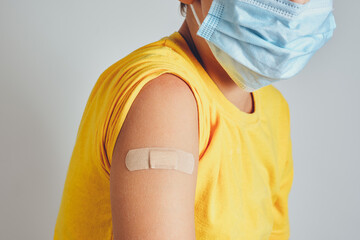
pixel 186 138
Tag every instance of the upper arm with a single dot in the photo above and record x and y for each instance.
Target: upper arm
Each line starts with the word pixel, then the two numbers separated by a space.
pixel 281 227
pixel 156 203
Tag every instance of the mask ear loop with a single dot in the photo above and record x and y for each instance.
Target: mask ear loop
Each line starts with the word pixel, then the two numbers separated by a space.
pixel 195 15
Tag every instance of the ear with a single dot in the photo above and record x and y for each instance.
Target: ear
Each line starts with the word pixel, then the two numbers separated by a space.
pixel 187 1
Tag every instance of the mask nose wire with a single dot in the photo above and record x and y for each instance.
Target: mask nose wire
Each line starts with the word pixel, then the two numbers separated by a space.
pixel 195 15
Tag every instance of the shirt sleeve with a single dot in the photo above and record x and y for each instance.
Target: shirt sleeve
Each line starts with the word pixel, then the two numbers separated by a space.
pixel 281 226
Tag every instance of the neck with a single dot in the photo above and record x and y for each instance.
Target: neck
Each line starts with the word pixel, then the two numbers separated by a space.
pixel 200 49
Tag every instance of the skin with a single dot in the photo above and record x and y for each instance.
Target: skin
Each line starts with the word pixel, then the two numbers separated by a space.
pixel 156 203
pixel 240 98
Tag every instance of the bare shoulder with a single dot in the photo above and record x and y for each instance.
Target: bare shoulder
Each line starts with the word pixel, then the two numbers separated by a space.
pixel 156 203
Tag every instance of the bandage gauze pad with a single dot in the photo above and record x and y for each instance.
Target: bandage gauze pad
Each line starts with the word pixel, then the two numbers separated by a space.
pixel 159 158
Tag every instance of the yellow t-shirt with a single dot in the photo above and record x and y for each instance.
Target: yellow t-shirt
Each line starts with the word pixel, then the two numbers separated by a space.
pixel 245 165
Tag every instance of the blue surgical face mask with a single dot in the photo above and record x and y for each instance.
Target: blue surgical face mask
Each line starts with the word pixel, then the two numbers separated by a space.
pixel 258 42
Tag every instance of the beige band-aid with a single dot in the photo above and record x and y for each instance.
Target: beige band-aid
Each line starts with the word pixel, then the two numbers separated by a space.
pixel 159 158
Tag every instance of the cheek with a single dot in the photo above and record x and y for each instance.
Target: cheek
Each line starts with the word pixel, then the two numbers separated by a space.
pixel 205 6
pixel 300 1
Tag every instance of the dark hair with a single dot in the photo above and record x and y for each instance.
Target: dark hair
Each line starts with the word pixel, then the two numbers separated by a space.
pixel 183 8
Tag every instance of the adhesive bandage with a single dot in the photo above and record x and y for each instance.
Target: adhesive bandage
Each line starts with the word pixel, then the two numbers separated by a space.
pixel 159 158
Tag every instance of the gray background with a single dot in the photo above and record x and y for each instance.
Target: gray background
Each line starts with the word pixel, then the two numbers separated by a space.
pixel 51 54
